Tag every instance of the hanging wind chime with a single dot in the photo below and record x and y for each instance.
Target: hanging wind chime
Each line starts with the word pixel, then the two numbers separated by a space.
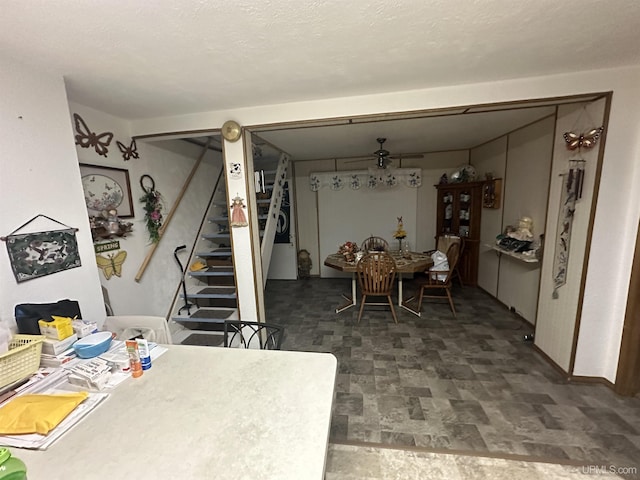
pixel 571 192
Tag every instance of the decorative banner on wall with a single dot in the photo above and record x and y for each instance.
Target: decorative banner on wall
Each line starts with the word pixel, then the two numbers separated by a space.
pixel 34 255
pixel 283 227
pixel 372 178
pixel 571 188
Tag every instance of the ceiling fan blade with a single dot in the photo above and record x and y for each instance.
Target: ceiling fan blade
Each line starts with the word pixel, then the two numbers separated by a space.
pixel 406 157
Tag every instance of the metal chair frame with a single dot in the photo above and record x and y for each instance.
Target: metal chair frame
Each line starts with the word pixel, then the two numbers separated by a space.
pixel 241 334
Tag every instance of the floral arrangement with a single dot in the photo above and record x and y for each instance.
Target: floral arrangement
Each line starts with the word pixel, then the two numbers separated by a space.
pixel 400 233
pixel 152 200
pixel 349 250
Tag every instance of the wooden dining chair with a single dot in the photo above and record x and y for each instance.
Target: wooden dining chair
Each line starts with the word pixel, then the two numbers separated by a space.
pixel 437 284
pixel 443 244
pixel 374 244
pixel 376 274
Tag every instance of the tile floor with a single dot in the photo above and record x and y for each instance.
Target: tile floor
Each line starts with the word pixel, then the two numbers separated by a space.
pixel 469 384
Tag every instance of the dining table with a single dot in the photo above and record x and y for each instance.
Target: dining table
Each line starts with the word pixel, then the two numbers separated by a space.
pixel 406 263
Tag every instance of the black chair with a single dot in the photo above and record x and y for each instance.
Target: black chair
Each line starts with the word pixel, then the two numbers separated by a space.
pixel 241 334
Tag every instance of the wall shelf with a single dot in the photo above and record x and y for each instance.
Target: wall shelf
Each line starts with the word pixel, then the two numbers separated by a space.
pixel 519 256
pixel 492 193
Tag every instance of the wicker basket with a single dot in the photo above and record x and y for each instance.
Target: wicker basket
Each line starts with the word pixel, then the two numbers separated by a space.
pixel 22 359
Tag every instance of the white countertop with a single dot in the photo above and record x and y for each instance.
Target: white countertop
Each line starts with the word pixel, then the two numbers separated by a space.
pixel 204 412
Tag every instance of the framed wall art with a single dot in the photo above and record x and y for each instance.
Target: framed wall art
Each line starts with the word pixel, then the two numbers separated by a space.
pixel 106 188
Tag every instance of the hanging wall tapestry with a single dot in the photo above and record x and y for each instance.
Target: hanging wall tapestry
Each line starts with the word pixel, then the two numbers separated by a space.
pixel 570 189
pixel 34 255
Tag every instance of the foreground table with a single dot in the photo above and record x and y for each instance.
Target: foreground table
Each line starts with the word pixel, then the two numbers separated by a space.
pixel 412 263
pixel 201 413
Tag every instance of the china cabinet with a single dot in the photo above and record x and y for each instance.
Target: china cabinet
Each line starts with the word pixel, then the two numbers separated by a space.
pixel 459 210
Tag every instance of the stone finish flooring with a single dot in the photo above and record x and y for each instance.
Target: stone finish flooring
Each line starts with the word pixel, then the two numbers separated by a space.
pixel 465 384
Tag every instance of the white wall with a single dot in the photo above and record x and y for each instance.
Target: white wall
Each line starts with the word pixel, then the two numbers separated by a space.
pixel 169 164
pixel 556 324
pixel 423 225
pixel 39 175
pixel 522 159
pixel 618 210
pixel 490 158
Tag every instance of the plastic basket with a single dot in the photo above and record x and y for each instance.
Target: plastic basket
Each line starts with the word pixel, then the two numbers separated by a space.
pixel 22 359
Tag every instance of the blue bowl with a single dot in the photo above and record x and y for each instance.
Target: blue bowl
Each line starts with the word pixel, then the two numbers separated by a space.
pixel 93 345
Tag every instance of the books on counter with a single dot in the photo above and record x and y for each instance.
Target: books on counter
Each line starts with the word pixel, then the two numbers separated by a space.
pixel 47 360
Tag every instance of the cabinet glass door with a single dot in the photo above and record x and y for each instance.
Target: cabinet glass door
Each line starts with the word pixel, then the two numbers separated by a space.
pixel 447 206
pixel 464 213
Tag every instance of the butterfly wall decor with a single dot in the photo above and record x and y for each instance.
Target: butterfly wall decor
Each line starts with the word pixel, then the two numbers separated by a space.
pixel 86 138
pixel 111 264
pixel 584 140
pixel 128 152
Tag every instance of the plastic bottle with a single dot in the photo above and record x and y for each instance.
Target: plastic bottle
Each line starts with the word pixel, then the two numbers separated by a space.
pixel 134 358
pixel 145 354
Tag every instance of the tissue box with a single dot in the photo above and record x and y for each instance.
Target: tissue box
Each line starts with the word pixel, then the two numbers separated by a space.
pixel 56 347
pixel 58 329
pixel 82 328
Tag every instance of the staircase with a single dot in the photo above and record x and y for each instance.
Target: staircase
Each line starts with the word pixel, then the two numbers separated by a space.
pixel 211 296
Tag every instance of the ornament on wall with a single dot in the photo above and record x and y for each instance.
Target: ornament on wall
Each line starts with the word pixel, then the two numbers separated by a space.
pixel 111 264
pixel 238 218
pixel 153 207
pixel 583 140
pixel 235 171
pixel 128 152
pixel 86 138
pixel 231 131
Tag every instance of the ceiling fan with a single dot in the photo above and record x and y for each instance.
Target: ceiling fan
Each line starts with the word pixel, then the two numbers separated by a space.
pixel 384 157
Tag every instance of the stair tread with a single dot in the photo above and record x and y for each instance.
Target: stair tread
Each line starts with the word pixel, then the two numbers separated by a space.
pixel 204 314
pixel 213 271
pixel 211 292
pixel 218 252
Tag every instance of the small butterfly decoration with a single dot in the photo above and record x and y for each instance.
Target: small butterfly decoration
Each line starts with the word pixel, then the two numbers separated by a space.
pixel 128 152
pixel 111 264
pixel 86 138
pixel 584 140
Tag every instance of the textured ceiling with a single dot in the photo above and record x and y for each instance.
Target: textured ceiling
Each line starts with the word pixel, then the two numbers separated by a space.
pixel 155 58
pixel 167 57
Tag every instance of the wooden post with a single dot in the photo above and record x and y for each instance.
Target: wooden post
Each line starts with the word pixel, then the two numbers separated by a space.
pixel 167 219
